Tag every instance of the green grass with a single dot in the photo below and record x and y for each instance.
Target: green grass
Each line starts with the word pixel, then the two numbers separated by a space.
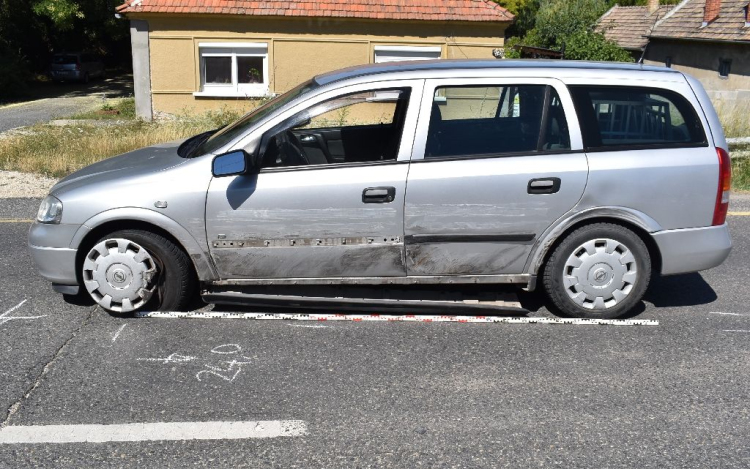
pixel 57 151
pixel 741 174
pixel 734 117
pixel 123 109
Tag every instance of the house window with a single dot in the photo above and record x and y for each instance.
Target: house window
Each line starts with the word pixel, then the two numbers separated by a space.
pixel 725 67
pixel 668 62
pixel 233 69
pixel 404 53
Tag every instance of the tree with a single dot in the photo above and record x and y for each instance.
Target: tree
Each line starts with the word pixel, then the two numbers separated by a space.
pixel 569 24
pixel 525 13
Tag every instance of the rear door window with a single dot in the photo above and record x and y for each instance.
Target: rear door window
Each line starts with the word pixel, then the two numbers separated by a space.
pixel 495 121
pixel 625 118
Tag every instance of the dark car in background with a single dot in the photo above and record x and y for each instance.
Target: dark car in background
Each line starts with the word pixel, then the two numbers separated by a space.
pixel 76 66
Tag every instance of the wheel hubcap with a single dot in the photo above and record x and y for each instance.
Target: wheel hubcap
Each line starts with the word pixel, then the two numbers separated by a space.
pixel 599 274
pixel 118 275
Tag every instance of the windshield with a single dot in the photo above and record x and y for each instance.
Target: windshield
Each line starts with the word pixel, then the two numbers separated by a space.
pixel 240 127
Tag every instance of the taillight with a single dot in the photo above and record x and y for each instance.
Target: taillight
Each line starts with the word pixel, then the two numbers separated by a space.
pixel 725 185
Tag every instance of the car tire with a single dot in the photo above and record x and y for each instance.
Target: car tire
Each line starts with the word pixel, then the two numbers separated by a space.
pixel 599 271
pixel 85 77
pixel 147 272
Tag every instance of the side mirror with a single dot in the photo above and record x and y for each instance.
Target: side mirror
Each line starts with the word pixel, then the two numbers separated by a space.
pixel 230 164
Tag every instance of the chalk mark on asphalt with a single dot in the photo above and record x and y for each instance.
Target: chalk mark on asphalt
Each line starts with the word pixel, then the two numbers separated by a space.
pixel 227 370
pixel 735 330
pixel 6 318
pixel 119 331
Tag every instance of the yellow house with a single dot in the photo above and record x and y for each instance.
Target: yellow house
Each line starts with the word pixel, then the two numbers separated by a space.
pixel 196 55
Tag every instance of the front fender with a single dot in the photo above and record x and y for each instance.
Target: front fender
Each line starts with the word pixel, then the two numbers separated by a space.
pixel 563 224
pixel 198 253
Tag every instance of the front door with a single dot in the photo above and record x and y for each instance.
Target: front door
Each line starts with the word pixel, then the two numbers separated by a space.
pixel 499 162
pixel 329 199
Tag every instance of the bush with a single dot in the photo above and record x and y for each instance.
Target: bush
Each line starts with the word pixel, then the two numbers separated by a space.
pixel 585 45
pixel 557 20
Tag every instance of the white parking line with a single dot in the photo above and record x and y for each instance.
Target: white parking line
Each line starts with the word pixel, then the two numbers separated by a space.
pixel 726 314
pixel 393 318
pixel 735 330
pixel 160 431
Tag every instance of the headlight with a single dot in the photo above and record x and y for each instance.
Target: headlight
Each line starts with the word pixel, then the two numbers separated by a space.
pixel 50 211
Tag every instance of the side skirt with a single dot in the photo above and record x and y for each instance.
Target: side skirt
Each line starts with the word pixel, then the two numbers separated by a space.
pixel 379 305
pixel 525 280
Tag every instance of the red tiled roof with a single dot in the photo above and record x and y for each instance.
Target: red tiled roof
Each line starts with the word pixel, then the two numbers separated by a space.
pixel 426 10
pixel 630 26
pixel 686 22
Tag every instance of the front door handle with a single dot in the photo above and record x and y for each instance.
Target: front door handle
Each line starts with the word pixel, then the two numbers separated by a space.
pixel 378 195
pixel 544 186
pixel 307 138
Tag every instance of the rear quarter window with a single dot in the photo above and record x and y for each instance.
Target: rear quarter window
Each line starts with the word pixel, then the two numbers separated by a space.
pixel 619 117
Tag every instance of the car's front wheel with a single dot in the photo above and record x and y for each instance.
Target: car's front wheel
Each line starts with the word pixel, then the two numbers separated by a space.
pixel 133 270
pixel 598 271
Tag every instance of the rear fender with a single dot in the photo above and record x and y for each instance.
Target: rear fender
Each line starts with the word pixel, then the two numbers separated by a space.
pixel 561 227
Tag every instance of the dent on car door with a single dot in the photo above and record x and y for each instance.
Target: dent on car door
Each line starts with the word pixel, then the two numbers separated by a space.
pixel 500 164
pixel 302 216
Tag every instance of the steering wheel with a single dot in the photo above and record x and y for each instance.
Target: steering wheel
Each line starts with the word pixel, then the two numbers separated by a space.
pixel 290 152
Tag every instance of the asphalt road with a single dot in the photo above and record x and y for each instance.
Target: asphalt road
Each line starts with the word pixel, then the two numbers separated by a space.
pixel 386 394
pixel 55 100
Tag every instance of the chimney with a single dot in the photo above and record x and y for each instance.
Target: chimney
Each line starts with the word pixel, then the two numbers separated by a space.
pixel 653 5
pixel 712 11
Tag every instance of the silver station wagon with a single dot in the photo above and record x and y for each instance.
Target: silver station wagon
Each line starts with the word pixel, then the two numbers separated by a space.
pixel 583 179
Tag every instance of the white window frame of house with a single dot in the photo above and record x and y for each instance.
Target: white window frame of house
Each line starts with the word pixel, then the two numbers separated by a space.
pixel 384 54
pixel 403 53
pixel 233 50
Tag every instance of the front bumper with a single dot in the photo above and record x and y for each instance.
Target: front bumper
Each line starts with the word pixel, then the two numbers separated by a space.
pixel 49 247
pixel 693 249
pixel 58 265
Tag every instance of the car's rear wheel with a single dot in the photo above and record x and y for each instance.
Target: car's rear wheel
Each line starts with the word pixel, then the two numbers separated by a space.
pixel 598 271
pixel 133 270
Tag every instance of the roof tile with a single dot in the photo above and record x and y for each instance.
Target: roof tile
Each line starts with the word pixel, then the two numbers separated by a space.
pixel 630 26
pixel 429 10
pixel 686 22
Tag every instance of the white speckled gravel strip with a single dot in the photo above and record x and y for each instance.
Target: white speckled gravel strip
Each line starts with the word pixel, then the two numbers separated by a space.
pixel 15 185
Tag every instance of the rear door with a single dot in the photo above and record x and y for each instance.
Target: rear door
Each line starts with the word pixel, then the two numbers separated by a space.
pixel 495 163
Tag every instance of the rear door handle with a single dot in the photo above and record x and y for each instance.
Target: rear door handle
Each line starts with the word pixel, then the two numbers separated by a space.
pixel 544 186
pixel 307 138
pixel 378 195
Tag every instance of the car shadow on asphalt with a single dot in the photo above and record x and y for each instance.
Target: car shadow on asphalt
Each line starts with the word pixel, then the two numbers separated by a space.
pixel 114 85
pixel 663 292
pixel 680 290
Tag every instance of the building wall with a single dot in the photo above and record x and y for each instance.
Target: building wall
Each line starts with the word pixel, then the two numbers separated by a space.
pixel 701 60
pixel 298 48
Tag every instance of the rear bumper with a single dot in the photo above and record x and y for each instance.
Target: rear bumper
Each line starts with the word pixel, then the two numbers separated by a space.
pixel 66 74
pixel 55 264
pixel 693 249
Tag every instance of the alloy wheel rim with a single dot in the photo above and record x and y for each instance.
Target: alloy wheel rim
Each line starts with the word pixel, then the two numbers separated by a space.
pixel 599 274
pixel 119 275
